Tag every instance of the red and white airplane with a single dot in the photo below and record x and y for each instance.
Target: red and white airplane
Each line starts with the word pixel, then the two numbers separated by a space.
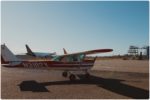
pixel 68 63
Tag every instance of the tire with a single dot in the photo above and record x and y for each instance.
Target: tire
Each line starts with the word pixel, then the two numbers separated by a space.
pixel 64 74
pixel 72 77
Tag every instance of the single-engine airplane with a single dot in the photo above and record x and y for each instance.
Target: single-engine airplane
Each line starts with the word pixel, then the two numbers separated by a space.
pixel 39 54
pixel 68 63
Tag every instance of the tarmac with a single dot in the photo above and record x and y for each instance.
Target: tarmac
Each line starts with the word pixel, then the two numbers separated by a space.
pixel 110 79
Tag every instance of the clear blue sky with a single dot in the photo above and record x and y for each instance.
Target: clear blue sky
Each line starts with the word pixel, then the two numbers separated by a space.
pixel 50 26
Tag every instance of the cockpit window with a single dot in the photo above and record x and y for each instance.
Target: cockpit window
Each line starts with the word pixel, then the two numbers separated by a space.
pixel 57 58
pixel 70 58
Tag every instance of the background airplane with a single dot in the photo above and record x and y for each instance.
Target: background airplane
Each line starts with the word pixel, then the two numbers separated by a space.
pixel 68 63
pixel 39 54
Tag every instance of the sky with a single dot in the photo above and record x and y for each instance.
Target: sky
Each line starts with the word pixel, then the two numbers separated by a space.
pixel 74 25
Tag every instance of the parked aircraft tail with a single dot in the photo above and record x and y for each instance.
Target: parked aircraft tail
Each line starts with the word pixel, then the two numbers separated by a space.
pixel 3 61
pixel 29 51
pixel 7 55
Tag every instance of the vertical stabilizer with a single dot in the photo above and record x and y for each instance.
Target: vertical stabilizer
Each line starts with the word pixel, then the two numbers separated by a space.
pixel 65 52
pixel 7 55
pixel 29 51
pixel 3 61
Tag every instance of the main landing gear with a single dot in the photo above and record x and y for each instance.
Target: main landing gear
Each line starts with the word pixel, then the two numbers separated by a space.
pixel 65 74
pixel 87 75
pixel 72 76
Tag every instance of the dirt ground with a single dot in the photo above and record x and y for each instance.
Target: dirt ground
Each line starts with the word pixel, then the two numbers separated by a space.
pixel 119 65
pixel 113 79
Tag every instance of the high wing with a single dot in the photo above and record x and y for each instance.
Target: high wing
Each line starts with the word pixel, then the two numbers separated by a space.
pixel 79 56
pixel 90 52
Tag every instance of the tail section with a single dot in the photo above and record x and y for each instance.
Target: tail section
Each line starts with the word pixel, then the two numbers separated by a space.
pixel 65 52
pixel 3 61
pixel 7 55
pixel 29 51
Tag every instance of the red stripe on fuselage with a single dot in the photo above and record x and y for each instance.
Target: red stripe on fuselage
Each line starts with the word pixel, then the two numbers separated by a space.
pixel 53 64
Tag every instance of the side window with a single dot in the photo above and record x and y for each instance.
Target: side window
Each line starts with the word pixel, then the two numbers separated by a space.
pixel 78 57
pixel 81 57
pixel 57 58
pixel 64 59
pixel 70 58
pixel 67 59
pixel 75 58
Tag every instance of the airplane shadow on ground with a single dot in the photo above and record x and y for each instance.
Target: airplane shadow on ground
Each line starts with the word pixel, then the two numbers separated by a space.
pixel 113 85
